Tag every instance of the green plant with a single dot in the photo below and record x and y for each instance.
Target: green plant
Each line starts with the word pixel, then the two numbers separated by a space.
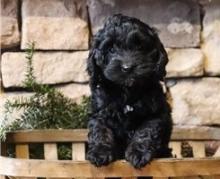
pixel 47 108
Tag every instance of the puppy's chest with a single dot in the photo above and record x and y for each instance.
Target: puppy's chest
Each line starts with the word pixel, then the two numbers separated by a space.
pixel 140 106
pixel 134 113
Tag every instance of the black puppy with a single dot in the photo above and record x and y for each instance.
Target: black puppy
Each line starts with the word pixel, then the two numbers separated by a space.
pixel 130 116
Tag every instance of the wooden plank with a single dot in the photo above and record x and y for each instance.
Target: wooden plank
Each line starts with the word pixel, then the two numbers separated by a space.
pixel 78 154
pixel 3 149
pixel 211 177
pixel 129 178
pixel 2 153
pixel 78 151
pixel 65 169
pixel 217 153
pixel 176 149
pixel 36 136
pixel 190 177
pixel 80 135
pixel 22 151
pixel 50 151
pixel 196 133
pixel 198 149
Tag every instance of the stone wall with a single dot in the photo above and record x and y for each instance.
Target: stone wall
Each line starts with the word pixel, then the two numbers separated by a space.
pixel 62 29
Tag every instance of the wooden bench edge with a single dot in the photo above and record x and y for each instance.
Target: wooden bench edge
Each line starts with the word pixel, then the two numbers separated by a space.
pixel 72 169
pixel 80 135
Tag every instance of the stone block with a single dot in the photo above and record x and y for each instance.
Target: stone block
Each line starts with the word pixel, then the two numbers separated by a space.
pixel 10 35
pixel 177 22
pixel 185 62
pixel 49 67
pixel 196 101
pixel 211 37
pixel 75 91
pixel 57 24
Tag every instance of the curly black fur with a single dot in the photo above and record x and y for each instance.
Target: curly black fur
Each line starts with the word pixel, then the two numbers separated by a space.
pixel 130 116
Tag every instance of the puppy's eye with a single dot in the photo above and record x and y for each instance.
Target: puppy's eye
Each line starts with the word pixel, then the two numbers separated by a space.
pixel 112 50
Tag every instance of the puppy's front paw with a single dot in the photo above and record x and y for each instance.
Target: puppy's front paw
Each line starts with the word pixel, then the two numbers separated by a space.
pixel 137 156
pixel 100 155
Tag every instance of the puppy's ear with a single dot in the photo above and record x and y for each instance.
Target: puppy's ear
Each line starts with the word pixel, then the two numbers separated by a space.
pixel 93 68
pixel 161 64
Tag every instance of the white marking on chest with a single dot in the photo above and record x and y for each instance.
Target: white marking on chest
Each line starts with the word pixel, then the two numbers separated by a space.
pixel 128 108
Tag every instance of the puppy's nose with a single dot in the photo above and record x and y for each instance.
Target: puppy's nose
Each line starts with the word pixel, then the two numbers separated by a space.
pixel 126 68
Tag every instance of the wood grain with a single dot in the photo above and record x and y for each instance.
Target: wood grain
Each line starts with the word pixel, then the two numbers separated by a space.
pixel 50 151
pixel 47 136
pixel 129 178
pixel 2 148
pixel 80 135
pixel 79 168
pixel 22 151
pixel 198 149
pixel 70 169
pixel 78 151
pixel 217 153
pixel 176 149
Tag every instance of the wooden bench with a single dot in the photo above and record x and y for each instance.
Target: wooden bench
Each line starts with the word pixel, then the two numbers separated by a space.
pixel 50 167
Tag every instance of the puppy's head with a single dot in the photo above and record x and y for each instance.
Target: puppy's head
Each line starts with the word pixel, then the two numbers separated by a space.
pixel 127 52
